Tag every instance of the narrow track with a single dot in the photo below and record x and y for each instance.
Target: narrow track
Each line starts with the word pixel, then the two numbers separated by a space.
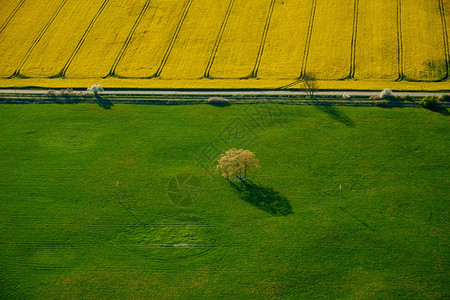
pixel 226 92
pixel 37 40
pixel 401 75
pixel 445 36
pixel 173 39
pixel 218 40
pixel 123 50
pixel 351 74
pixel 11 16
pixel 308 38
pixel 307 46
pixel 62 73
pixel 263 40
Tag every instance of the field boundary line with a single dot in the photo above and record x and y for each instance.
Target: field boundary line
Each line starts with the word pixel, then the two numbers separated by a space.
pixel 218 40
pixel 445 36
pixel 62 73
pixel 173 39
pixel 401 75
pixel 254 73
pixel 123 50
pixel 11 15
pixel 351 74
pixel 37 40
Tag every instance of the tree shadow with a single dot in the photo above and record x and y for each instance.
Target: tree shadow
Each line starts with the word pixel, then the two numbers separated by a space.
pixel 103 103
pixel 336 114
pixel 264 198
pixel 440 109
pixel 358 219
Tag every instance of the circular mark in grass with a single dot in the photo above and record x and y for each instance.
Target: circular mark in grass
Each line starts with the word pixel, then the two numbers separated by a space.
pixel 183 190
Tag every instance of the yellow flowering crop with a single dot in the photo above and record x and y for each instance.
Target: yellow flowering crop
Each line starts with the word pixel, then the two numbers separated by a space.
pixel 22 32
pixel 238 50
pixel 7 8
pixel 331 39
pixel 423 43
pixel 377 41
pixel 286 40
pixel 95 58
pixel 373 44
pixel 194 46
pixel 152 37
pixel 61 38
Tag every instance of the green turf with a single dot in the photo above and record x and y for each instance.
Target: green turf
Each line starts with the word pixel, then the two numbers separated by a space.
pixel 64 235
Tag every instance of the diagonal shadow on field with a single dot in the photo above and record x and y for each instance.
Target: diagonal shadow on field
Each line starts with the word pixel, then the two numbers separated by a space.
pixel 103 103
pixel 358 219
pixel 336 114
pixel 264 198
pixel 441 109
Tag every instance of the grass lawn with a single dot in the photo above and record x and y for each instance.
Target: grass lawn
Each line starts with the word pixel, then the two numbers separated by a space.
pixel 64 235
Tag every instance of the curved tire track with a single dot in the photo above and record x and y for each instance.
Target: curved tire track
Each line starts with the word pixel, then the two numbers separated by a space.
pixel 401 75
pixel 173 39
pixel 62 73
pixel 218 40
pixel 307 46
pixel 445 36
pixel 11 15
pixel 37 40
pixel 308 38
pixel 351 74
pixel 123 50
pixel 263 39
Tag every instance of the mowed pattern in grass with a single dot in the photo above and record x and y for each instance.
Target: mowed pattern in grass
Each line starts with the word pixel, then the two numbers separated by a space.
pixel 64 235
pixel 233 39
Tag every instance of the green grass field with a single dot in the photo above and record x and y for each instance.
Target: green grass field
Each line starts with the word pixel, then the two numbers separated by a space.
pixel 64 235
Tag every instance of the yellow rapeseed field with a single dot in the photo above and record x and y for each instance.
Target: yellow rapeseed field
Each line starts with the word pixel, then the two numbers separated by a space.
pixel 22 32
pixel 54 49
pixel 195 44
pixel 377 41
pixel 95 58
pixel 286 40
pixel 238 49
pixel 423 43
pixel 446 14
pixel 226 44
pixel 152 38
pixel 7 10
pixel 331 39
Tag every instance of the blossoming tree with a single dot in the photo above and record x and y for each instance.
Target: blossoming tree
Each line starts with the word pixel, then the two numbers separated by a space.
pixel 237 163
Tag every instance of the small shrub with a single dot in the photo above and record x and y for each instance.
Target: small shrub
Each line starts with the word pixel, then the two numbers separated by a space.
pixel 374 97
pixel 406 98
pixel 346 95
pixel 95 89
pixel 218 101
pixel 445 98
pixel 386 94
pixel 430 102
pixel 67 93
pixel 52 93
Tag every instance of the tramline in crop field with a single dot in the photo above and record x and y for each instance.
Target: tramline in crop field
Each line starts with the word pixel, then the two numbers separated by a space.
pixel 377 42
pixel 231 44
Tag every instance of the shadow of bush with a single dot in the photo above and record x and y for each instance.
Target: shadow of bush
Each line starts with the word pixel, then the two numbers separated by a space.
pixel 102 102
pixel 439 109
pixel 264 198
pixel 336 114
